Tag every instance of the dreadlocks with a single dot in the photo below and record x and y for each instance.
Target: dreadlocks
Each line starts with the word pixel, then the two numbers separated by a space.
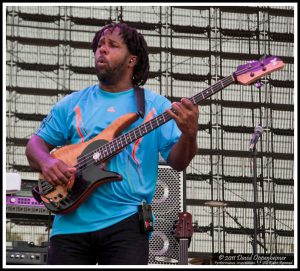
pixel 136 45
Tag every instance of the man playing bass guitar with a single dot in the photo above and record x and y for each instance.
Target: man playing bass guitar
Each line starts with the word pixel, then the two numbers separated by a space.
pixel 103 227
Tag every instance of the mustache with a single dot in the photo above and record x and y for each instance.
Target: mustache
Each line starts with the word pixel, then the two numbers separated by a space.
pixel 101 59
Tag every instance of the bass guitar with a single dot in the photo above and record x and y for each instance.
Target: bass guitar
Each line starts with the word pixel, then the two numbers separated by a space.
pixel 90 157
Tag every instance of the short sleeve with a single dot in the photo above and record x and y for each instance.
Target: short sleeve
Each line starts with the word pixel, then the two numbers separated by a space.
pixel 54 128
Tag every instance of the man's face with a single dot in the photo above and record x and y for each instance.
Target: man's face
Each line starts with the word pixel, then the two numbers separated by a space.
pixel 111 57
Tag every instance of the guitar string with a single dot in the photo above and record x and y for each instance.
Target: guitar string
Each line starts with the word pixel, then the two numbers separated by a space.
pixel 105 148
pixel 145 127
pixel 87 159
pixel 119 140
pixel 150 125
pixel 166 117
pixel 109 149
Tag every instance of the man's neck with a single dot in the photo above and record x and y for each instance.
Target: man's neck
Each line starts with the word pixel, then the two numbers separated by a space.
pixel 115 87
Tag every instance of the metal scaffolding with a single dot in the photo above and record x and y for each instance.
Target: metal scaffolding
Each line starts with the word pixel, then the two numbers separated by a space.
pixel 48 56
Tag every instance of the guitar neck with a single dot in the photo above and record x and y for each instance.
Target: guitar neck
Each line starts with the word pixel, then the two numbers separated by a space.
pixel 110 149
pixel 183 251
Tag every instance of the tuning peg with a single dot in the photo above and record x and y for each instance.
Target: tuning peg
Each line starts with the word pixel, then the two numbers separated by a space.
pixel 263 57
pixel 258 84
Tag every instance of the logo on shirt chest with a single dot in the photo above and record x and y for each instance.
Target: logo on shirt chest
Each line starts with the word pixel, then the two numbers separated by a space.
pixel 111 109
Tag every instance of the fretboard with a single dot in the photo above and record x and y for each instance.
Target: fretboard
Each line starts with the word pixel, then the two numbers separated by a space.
pixel 111 148
pixel 183 251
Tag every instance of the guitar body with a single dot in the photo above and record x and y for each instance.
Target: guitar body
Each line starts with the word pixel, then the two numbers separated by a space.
pixel 63 199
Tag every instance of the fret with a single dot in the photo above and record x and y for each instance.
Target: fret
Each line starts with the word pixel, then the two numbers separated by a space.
pixel 130 136
pixel 151 124
pixel 140 131
pixel 105 151
pixel 154 124
pixel 117 143
pixel 137 133
pixel 203 97
pixel 193 100
pixel 112 147
pixel 125 139
pixel 157 121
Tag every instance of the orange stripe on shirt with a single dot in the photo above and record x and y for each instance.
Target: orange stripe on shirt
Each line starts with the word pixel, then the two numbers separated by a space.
pixel 150 115
pixel 78 122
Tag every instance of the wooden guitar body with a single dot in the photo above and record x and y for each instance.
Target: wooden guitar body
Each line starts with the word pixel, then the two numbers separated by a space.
pixel 65 198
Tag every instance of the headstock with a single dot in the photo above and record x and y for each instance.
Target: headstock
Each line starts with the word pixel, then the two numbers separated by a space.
pixel 184 227
pixel 250 72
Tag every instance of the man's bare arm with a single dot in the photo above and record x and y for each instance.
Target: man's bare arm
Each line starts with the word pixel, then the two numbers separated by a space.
pixel 186 116
pixel 54 170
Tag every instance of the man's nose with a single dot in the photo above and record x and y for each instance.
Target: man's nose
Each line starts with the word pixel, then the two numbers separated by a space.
pixel 103 48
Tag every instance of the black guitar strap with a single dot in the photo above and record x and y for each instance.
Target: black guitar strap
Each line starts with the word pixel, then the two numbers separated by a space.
pixel 140 100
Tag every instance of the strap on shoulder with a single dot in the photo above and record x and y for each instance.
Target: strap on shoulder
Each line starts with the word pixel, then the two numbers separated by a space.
pixel 140 100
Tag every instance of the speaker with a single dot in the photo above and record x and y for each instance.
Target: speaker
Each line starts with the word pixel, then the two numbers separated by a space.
pixel 166 204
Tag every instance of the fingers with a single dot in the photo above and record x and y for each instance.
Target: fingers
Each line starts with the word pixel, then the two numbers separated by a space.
pixel 184 109
pixel 186 114
pixel 57 172
pixel 187 103
pixel 177 109
pixel 63 175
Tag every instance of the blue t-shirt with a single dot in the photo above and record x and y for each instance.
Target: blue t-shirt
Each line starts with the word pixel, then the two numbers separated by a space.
pixel 81 116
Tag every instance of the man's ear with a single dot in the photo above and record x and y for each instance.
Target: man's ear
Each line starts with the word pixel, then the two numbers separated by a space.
pixel 132 61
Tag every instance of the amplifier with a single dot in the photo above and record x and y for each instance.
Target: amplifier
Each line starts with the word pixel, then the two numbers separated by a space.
pixel 167 204
pixel 22 205
pixel 19 206
pixel 24 253
pixel 18 200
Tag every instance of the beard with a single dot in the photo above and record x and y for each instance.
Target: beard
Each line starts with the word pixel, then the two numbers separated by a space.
pixel 105 76
pixel 110 74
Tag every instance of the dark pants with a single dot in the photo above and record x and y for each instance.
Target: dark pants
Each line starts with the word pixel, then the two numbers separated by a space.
pixel 122 243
